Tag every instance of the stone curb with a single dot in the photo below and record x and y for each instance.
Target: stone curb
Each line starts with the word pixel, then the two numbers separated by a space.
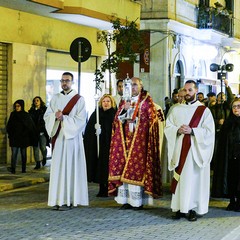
pixel 21 182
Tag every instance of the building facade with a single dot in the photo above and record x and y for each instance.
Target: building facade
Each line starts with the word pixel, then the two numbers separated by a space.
pixel 186 37
pixel 34 48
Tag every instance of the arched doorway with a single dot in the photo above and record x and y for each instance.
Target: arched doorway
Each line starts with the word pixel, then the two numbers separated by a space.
pixel 179 75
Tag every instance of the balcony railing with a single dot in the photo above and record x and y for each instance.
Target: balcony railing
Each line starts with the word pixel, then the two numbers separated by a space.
pixel 213 18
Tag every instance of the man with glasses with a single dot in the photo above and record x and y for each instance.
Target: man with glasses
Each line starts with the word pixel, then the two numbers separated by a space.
pixel 65 120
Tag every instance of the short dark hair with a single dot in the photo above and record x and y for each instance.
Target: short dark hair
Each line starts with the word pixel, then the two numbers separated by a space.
pixel 175 91
pixel 193 82
pixel 68 73
pixel 200 93
pixel 118 81
pixel 211 94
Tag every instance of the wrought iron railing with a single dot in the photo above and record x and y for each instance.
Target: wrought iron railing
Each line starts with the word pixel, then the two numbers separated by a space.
pixel 213 18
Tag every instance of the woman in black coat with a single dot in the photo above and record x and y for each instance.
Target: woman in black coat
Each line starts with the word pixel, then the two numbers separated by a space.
pixel 226 178
pixel 21 133
pixel 97 166
pixel 36 112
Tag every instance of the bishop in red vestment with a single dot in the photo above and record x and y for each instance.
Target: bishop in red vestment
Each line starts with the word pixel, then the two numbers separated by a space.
pixel 134 164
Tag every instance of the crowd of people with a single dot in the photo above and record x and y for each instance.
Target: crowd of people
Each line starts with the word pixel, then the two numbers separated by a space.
pixel 121 147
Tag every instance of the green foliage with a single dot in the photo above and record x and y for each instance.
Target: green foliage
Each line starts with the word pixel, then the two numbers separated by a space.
pixel 129 42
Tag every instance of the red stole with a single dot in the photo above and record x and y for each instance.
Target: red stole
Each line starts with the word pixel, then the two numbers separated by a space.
pixel 186 144
pixel 68 108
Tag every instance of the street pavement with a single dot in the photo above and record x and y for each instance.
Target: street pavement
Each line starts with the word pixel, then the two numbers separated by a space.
pixel 24 215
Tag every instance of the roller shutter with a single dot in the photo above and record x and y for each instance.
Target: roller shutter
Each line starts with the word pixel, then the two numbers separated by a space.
pixel 3 101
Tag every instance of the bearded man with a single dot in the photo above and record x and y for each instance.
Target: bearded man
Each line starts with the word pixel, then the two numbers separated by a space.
pixel 190 139
pixel 134 164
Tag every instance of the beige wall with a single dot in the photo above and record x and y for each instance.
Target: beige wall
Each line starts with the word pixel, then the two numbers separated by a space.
pixel 175 10
pixel 237 19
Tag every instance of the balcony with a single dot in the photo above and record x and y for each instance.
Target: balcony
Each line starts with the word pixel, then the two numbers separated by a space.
pixel 214 18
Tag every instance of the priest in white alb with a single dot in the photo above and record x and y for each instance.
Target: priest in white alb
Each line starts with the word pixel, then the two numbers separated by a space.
pixel 65 120
pixel 190 139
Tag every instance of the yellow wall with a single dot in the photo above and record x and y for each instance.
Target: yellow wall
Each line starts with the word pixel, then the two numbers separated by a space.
pixel 31 29
pixel 119 8
pixel 28 72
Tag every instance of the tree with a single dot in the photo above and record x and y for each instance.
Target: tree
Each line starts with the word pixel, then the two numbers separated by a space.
pixel 128 41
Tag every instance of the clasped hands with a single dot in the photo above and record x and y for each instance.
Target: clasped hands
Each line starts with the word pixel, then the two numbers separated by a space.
pixel 59 115
pixel 184 129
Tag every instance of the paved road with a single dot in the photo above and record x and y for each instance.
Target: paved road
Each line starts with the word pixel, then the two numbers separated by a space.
pixel 24 215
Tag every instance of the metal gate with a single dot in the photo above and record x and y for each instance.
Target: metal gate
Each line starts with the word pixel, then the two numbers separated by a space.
pixel 3 101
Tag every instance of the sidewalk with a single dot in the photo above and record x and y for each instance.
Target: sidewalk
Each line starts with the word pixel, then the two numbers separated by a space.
pixel 9 181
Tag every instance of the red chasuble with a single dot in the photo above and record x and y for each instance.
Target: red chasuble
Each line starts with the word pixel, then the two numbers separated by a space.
pixel 135 156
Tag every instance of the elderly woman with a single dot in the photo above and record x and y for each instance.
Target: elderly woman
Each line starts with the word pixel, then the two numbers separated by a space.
pixel 97 166
pixel 226 178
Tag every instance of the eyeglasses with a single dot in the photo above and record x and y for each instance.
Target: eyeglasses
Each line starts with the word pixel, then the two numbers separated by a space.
pixel 65 81
pixel 236 106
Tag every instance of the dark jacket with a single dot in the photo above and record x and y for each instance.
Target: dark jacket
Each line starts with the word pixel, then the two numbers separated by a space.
pixel 37 117
pixel 20 128
pixel 97 167
pixel 227 157
pixel 221 111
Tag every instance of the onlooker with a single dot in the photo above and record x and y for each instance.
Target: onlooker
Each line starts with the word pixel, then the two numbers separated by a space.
pixel 200 97
pixel 65 120
pixel 134 162
pixel 119 94
pixel 226 178
pixel 37 111
pixel 181 95
pixel 221 109
pixel 21 134
pixel 190 139
pixel 211 100
pixel 174 99
pixel 167 103
pixel 170 103
pixel 97 157
pixel 220 112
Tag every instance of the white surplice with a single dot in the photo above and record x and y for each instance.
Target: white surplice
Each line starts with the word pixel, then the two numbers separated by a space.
pixel 68 176
pixel 193 188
